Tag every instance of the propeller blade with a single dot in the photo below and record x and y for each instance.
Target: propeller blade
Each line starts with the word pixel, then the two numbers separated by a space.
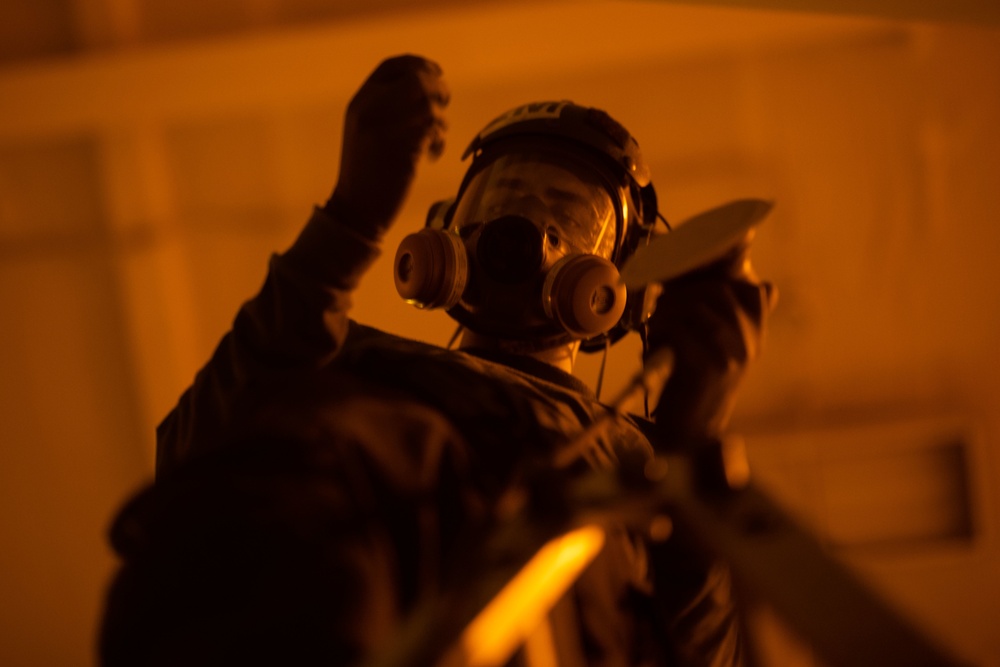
pixel 694 243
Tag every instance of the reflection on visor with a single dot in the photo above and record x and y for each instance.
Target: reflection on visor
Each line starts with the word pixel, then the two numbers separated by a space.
pixel 571 207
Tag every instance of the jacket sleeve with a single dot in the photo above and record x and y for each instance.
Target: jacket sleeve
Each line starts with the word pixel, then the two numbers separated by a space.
pixel 297 323
pixel 700 624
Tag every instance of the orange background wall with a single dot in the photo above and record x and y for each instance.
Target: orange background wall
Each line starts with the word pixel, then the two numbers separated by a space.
pixel 153 154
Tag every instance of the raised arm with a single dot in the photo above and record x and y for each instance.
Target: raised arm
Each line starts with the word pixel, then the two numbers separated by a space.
pixel 298 321
pixel 714 319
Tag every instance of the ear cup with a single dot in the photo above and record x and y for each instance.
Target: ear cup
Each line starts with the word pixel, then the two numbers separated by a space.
pixel 584 295
pixel 431 269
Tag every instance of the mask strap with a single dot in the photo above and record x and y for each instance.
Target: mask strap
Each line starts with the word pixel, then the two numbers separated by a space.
pixel 604 361
pixel 665 222
pixel 644 337
pixel 454 337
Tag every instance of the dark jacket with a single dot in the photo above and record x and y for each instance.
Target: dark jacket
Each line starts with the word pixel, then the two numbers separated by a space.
pixel 424 443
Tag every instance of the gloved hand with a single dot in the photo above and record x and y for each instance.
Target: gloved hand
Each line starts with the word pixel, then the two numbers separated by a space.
pixel 395 118
pixel 713 318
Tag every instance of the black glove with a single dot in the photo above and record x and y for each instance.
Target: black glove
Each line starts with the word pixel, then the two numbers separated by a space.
pixel 395 118
pixel 713 318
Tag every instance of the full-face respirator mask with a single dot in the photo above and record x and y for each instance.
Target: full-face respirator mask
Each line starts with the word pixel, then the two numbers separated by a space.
pixel 556 198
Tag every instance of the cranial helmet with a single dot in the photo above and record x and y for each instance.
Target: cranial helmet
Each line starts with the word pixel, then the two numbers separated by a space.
pixel 557 197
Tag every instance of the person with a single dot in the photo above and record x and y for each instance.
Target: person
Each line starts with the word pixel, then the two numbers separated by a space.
pixel 322 479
